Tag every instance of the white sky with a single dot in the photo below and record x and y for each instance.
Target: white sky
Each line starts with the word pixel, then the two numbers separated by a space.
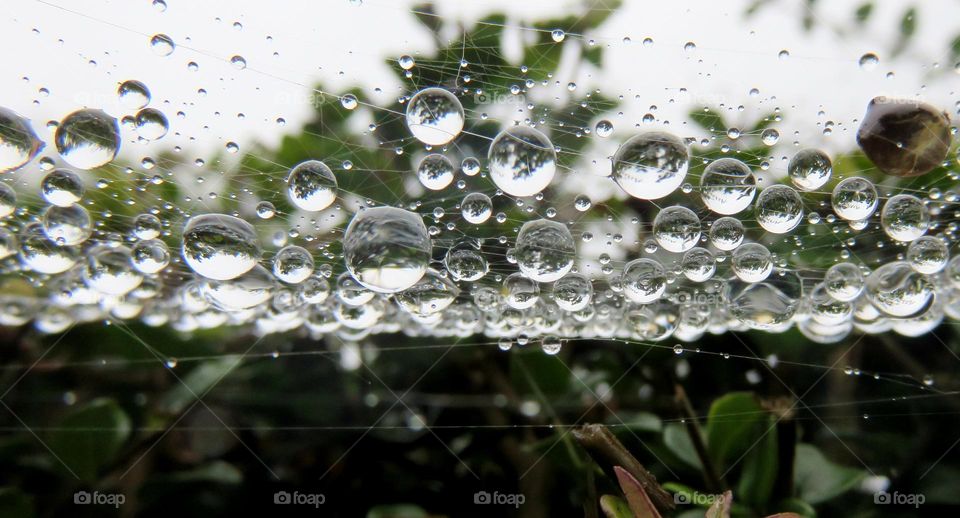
pixel 343 44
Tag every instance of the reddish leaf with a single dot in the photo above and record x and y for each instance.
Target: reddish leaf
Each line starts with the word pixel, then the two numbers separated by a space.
pixel 637 498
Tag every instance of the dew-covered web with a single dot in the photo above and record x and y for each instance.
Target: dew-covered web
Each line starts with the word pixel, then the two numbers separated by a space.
pixel 616 267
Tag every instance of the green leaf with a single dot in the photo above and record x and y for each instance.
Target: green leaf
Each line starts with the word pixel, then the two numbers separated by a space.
pixel 196 384
pixel 397 511
pixel 863 13
pixel 818 480
pixel 735 422
pixel 615 507
pixel 677 440
pixel 13 502
pixel 710 120
pixel 760 470
pixel 531 372
pixel 217 471
pixel 89 438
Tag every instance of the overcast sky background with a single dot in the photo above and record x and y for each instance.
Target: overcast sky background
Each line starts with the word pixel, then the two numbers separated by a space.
pixel 79 51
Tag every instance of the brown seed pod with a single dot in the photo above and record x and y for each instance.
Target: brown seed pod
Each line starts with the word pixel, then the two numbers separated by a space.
pixel 904 137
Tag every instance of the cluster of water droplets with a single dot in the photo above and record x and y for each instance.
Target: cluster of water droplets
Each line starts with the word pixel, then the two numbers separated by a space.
pixel 706 253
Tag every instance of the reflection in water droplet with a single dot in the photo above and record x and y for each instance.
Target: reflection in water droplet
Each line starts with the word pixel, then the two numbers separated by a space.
pixel 88 138
pixel 522 161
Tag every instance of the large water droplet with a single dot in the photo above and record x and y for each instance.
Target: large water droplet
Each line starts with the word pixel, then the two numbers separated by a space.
pixel 88 138
pixel 220 247
pixel 727 186
pixel 522 161
pixel 387 249
pixel 312 186
pixel 651 165
pixel 434 116
pixel 18 143
pixel 545 250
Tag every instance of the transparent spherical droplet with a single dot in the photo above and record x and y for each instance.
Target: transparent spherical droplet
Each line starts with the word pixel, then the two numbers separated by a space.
pixel 8 200
pixel 810 169
pixel 312 186
pixel 41 254
pixel 843 282
pixel 779 209
pixel 151 124
pixel 604 128
pixel 266 210
pixel 253 288
pixel 133 95
pixel 545 250
pixel 220 247
pixel 238 62
pixel 676 229
pixel 727 186
pixel 150 256
pixel 314 290
pixel 465 262
pixel 904 218
pixel 726 233
pixel 470 166
pixel 67 226
pixel 430 295
pixel 435 172
pixel 147 226
pixel 766 304
pixel 18 142
pixel 928 255
pixel 573 292
pixel 476 207
pixel 387 249
pixel 869 61
pixel 769 137
pixel 162 44
pixel 8 243
pixel 61 187
pixel 293 264
pixel 898 290
pixel 650 165
pixel 109 270
pixel 88 138
pixel 406 62
pixel 854 199
pixel 644 280
pixel 751 262
pixel 582 203
pixel 351 292
pixel 551 344
pixel 558 35
pixel 520 292
pixel 522 161
pixel 349 101
pixel 434 116
pixel 698 264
